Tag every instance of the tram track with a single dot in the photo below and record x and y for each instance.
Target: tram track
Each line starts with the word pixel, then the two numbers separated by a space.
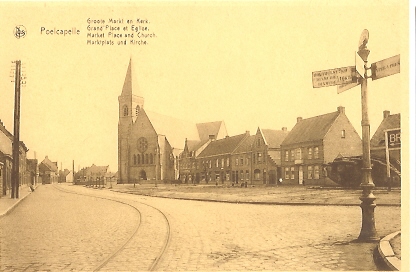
pixel 136 206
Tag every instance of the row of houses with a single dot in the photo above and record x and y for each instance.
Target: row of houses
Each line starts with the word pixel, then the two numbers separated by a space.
pixel 154 147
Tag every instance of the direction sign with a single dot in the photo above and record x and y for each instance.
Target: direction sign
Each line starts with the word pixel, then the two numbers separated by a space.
pixel 386 67
pixel 345 87
pixel 332 77
pixel 393 138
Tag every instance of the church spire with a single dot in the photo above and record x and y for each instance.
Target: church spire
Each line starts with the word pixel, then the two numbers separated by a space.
pixel 131 86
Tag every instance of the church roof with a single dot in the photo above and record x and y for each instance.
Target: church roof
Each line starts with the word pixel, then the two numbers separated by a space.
pixel 175 130
pixel 131 85
pixel 311 129
pixel 207 129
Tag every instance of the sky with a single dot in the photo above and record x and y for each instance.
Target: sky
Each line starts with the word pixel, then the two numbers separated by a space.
pixel 249 64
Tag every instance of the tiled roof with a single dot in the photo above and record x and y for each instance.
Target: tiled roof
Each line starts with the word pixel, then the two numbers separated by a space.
pixel 206 129
pixel 175 130
pixel 390 122
pixel 311 129
pixel 245 145
pixel 97 170
pixel 5 144
pixel 274 138
pixel 223 146
pixel 49 164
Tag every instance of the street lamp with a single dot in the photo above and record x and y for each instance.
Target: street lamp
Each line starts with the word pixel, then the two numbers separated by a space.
pixel 368 229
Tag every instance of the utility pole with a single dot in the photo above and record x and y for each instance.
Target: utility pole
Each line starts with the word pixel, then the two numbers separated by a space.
pixel 16 132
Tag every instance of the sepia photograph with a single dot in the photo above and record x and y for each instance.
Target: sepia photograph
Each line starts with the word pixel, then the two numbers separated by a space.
pixel 206 135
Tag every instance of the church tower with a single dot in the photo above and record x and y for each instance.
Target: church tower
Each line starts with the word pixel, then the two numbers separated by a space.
pixel 129 107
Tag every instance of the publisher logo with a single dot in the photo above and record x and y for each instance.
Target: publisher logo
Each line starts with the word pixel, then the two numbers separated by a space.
pixel 20 31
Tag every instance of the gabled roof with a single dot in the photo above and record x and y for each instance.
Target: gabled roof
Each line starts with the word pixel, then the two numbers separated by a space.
pixel 245 145
pixel 311 129
pixel 175 130
pixel 5 144
pixel 207 129
pixel 223 146
pixel 97 170
pixel 389 122
pixel 274 138
pixel 52 166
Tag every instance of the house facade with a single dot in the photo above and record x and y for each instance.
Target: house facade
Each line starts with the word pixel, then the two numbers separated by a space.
pixel 48 171
pixel 6 160
pixel 313 143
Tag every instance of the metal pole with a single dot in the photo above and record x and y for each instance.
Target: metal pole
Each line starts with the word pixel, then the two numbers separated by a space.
pixel 16 138
pixel 368 229
pixel 387 161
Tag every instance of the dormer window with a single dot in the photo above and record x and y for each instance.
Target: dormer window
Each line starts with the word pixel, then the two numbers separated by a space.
pixel 343 133
pixel 137 110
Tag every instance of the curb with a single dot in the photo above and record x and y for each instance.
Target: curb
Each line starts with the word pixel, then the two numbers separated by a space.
pixel 254 202
pixel 386 252
pixel 11 208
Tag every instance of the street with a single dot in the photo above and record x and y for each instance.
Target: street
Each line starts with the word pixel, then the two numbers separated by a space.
pixel 64 227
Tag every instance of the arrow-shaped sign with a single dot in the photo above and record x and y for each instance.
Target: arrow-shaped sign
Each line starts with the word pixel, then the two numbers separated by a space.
pixel 386 67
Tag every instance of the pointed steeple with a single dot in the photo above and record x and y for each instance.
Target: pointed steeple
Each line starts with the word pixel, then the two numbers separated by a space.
pixel 131 86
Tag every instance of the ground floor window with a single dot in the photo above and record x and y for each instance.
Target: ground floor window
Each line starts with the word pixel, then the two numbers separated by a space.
pixel 247 175
pixel 316 175
pixel 242 175
pixel 310 171
pixel 257 174
pixel 287 173
pixel 292 172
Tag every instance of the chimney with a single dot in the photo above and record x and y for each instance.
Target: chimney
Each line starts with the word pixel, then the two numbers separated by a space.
pixel 341 109
pixel 212 137
pixel 284 128
pixel 298 119
pixel 386 114
pixel 248 132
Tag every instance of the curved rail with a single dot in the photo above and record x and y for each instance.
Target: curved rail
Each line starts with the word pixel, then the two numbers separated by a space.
pixel 158 259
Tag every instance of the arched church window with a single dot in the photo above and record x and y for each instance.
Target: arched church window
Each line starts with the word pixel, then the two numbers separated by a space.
pixel 147 158
pixel 125 110
pixel 138 158
pixel 142 158
pixel 151 158
pixel 137 110
pixel 134 159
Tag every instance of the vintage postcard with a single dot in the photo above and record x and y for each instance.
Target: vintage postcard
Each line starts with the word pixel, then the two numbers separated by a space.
pixel 205 135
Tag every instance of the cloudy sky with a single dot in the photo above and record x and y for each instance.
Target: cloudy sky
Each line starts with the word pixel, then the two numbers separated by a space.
pixel 249 64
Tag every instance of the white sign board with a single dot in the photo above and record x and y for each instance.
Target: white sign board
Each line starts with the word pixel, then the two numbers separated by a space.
pixel 386 67
pixel 332 77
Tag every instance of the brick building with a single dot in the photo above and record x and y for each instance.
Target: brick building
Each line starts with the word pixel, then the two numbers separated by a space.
pixel 313 143
pixel 149 144
pixel 267 155
pixel 6 160
pixel 48 171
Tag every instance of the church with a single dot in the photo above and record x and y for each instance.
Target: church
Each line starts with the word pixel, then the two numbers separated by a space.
pixel 149 144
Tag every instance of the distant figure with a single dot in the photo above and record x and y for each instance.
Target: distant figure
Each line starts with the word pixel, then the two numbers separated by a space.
pixel 280 181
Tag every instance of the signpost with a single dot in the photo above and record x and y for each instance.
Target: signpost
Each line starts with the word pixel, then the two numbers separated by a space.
pixel 347 78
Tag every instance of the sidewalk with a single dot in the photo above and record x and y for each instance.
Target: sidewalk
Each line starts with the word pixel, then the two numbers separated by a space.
pixel 7 204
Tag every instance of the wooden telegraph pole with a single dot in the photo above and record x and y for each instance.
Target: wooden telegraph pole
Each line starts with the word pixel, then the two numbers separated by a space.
pixel 16 132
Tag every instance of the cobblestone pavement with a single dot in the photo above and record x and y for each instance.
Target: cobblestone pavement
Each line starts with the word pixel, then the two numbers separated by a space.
pixel 54 231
